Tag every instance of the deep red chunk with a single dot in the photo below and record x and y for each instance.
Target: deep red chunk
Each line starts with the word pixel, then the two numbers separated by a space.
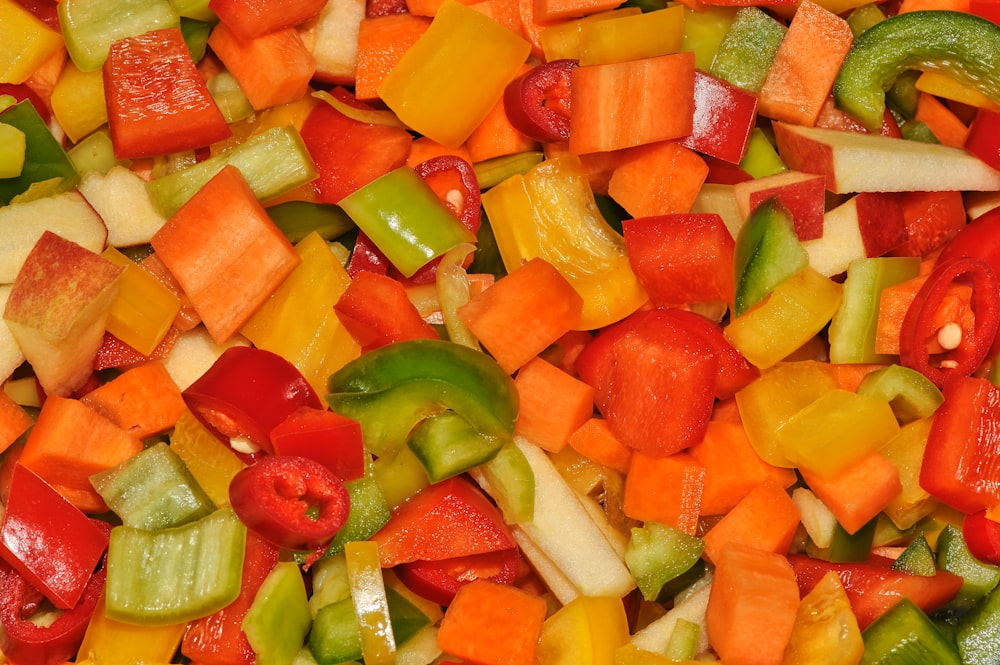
pixel 724 117
pixel 537 102
pixel 439 581
pixel 983 140
pixel 157 101
pixel 982 536
pixel 376 311
pixel 329 438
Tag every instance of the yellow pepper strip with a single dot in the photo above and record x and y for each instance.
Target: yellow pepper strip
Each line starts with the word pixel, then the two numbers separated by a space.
pixel 586 631
pixel 364 573
pixel 212 463
pixel 25 42
pixel 111 642
pixel 144 310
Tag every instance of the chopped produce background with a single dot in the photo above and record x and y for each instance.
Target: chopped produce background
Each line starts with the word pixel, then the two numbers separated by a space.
pixel 499 332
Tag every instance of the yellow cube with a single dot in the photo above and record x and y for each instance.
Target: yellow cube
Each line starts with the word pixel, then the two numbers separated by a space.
pixel 25 42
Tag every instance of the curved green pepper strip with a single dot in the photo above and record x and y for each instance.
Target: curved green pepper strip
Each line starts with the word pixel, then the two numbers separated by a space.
pixel 963 46
pixel 393 388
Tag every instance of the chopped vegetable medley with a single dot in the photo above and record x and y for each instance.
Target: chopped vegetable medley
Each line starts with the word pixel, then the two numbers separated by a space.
pixel 499 332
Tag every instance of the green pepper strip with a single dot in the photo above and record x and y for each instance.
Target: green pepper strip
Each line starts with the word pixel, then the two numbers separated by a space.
pixel 963 46
pixel 393 388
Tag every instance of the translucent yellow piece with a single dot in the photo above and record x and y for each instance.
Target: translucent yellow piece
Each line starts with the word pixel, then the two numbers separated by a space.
pixel 645 35
pixel 906 452
pixel 450 79
pixel 766 404
pixel 25 42
pixel 364 573
pixel 12 150
pixel 704 30
pixel 941 85
pixel 78 101
pixel 111 642
pixel 561 40
pixel 212 463
pixel 144 310
pixel 550 212
pixel 298 322
pixel 837 430
pixel 790 316
pixel 826 630
pixel 588 630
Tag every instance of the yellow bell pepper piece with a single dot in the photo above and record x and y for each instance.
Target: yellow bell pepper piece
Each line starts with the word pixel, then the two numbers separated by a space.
pixel 826 630
pixel 450 79
pixel 550 212
pixel 942 85
pixel 906 452
pixel 364 574
pixel 837 430
pixel 212 463
pixel 704 30
pixel 78 101
pixel 12 149
pixel 25 42
pixel 111 642
pixel 298 322
pixel 790 316
pixel 144 310
pixel 562 40
pixel 646 35
pixel 766 404
pixel 588 630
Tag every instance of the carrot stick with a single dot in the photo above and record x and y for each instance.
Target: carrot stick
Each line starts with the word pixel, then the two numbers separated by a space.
pixel 895 301
pixel 489 622
pixel 14 421
pixel 382 41
pixel 271 69
pixel 657 179
pixel 664 489
pixel 523 313
pixel 594 440
pixel 143 400
pixel 71 442
pixel 850 375
pixel 858 493
pixel 225 252
pixel 496 137
pixel 752 605
pixel 732 467
pixel 553 404
pixel 943 123
pixel 766 518
pixel 805 65
pixel 551 10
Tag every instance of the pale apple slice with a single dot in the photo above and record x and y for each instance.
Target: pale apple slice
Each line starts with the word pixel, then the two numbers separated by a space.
pixel 122 200
pixel 194 352
pixel 58 308
pixel 854 162
pixel 720 199
pixel 67 215
pixel 332 37
pixel 866 225
pixel 10 353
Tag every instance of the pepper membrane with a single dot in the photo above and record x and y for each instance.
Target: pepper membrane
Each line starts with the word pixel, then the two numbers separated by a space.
pixel 810 500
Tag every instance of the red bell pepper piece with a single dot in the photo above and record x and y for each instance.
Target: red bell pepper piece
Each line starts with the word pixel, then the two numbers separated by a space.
pixel 48 540
pixel 982 537
pixel 655 378
pixel 448 519
pixel 979 239
pixel 22 92
pixel 366 257
pixel 247 392
pixel 218 639
pixel 983 139
pixel 919 325
pixel 348 153
pixel 290 501
pixel 724 117
pixel 439 581
pixel 963 444
pixel 735 371
pixel 537 102
pixel 329 438
pixel 157 101
pixel 873 586
pixel 376 311
pixel 24 641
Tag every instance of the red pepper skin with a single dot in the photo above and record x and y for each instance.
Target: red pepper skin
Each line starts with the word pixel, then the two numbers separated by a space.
pixel 218 639
pixel 366 257
pixel 979 239
pixel 157 101
pixel 959 467
pixel 724 117
pixel 22 92
pixel 982 537
pixel 376 311
pixel 449 519
pixel 983 140
pixel 329 438
pixel 735 371
pixel 24 641
pixel 873 587
pixel 349 154
pixel 537 102
pixel 918 324
pixel 439 581
pixel 48 540
pixel 277 497
pixel 247 392
pixel 655 379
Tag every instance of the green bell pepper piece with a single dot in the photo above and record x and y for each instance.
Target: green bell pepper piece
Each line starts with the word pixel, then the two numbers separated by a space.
pixel 847 547
pixel 297 219
pixel 279 618
pixel 89 27
pixel 746 52
pixel 906 636
pixel 917 558
pixel 911 395
pixel 405 219
pixel 962 45
pixel 44 158
pixel 447 444
pixel 369 513
pixel 512 483
pixel 767 253
pixel 175 575
pixel 762 158
pixel 490 172
pixel 978 578
pixel 683 642
pixel 863 17
pixel 153 490
pixel 978 632
pixel 393 388
pixel 657 554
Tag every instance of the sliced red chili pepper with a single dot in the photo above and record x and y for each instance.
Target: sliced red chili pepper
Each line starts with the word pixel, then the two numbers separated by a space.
pixel 439 581
pixel 22 92
pixel 247 392
pixel 537 102
pixel 290 501
pixel 919 326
